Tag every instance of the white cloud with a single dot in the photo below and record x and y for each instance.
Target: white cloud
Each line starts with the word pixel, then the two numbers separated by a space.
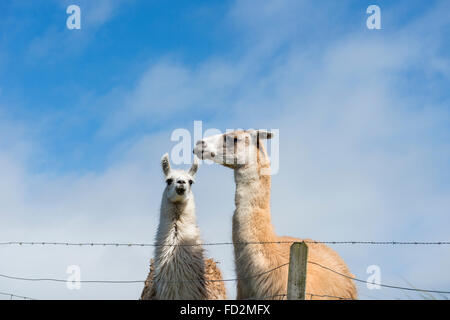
pixel 169 88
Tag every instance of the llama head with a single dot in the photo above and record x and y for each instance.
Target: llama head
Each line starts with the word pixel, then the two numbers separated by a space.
pixel 179 182
pixel 234 149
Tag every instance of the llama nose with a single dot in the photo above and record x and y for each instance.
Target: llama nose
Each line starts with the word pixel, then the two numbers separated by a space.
pixel 201 142
pixel 180 191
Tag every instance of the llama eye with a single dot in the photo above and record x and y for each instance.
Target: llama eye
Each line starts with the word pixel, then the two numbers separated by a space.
pixel 169 181
pixel 191 182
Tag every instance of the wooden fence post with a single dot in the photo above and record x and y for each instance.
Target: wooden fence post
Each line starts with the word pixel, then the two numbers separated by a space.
pixel 298 261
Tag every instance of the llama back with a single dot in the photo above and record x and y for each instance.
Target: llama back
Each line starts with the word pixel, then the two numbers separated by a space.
pixel 319 280
pixel 215 289
pixel 148 293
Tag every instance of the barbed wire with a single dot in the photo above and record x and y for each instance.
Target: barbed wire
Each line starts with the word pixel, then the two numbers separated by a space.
pixel 362 281
pixel 230 280
pixel 306 293
pixel 65 280
pixel 91 244
pixel 380 284
pixel 131 244
pixel 266 297
pixel 222 280
pixel 140 281
pixel 326 296
pixel 12 295
pixel 253 276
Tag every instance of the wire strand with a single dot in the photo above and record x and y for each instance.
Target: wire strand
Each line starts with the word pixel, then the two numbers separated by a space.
pixel 326 296
pixel 139 281
pixel 62 280
pixel 266 297
pixel 91 244
pixel 130 244
pixel 380 284
pixel 12 295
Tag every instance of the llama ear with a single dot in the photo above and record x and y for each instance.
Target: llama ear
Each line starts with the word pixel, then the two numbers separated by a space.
pixel 165 164
pixel 194 167
pixel 264 134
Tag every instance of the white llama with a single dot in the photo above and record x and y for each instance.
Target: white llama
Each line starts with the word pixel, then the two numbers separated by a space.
pixel 179 269
pixel 244 152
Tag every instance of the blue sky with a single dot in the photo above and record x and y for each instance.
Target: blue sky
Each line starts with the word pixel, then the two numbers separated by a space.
pixel 364 121
pixel 54 75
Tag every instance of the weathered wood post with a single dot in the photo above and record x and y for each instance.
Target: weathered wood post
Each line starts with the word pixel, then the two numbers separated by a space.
pixel 298 262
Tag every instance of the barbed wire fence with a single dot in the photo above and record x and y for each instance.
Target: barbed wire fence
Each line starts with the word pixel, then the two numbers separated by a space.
pixel 278 296
pixel 12 296
pixel 134 244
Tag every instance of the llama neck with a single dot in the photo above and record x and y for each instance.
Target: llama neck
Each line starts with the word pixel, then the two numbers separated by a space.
pixel 177 224
pixel 179 255
pixel 251 220
pixel 252 223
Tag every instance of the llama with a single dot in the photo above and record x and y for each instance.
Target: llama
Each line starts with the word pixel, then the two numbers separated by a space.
pixel 244 152
pixel 179 269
